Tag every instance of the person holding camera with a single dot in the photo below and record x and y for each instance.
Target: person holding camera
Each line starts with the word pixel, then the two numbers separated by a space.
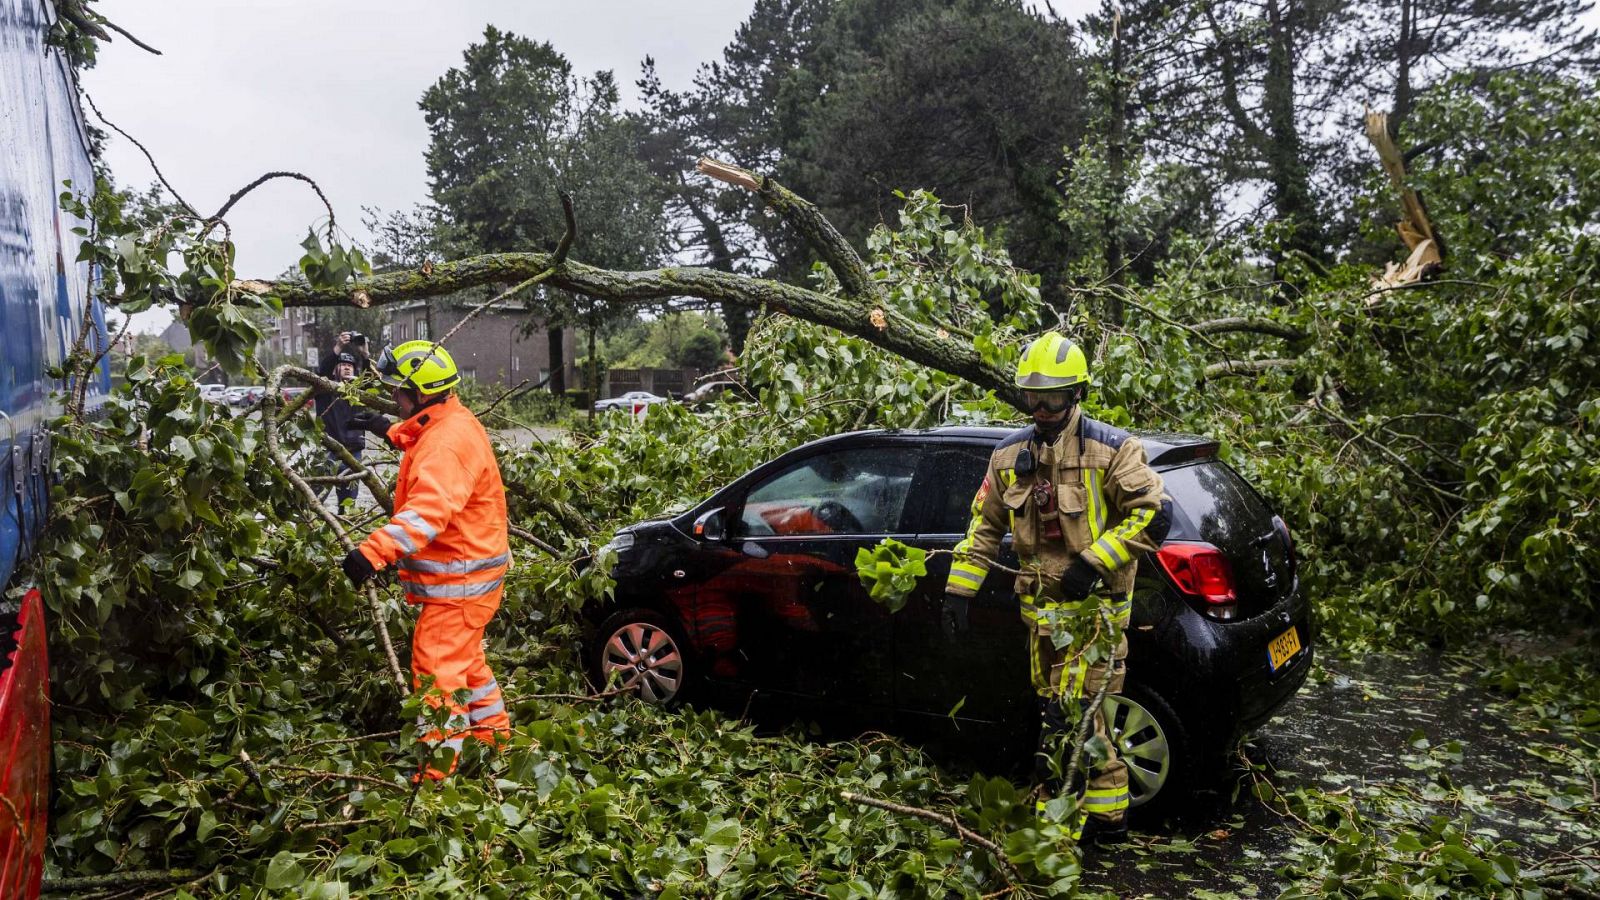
pixel 347 360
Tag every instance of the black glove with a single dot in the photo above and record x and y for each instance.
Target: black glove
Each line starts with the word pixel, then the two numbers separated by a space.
pixel 1079 580
pixel 356 567
pixel 367 420
pixel 953 617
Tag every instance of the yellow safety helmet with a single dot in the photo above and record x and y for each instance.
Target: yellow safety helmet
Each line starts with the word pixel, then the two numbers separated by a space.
pixel 1052 363
pixel 421 365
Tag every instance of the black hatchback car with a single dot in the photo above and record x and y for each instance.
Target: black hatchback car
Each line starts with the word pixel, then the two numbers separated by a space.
pixel 755 592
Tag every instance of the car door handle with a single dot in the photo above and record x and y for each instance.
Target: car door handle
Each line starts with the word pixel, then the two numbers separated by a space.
pixel 754 550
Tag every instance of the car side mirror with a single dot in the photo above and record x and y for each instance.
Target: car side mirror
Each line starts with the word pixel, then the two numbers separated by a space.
pixel 710 526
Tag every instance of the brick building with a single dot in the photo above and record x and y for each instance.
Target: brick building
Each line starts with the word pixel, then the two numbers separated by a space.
pixel 296 339
pixel 493 348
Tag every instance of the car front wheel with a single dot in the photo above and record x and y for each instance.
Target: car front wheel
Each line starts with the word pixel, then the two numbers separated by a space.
pixel 643 652
pixel 1153 744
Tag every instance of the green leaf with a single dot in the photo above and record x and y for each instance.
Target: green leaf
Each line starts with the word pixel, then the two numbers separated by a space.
pixel 284 872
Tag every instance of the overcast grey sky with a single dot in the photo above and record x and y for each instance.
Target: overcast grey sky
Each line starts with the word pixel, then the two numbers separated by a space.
pixel 331 88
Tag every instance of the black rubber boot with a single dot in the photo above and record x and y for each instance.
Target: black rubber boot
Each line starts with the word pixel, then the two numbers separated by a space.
pixel 1104 832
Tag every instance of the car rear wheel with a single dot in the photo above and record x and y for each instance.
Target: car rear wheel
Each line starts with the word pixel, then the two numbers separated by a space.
pixel 644 652
pixel 1152 742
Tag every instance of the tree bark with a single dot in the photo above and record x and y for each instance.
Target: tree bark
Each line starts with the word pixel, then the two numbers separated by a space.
pixel 558 361
pixel 1247 367
pixel 898 334
pixel 1402 80
pixel 1291 181
pixel 1238 324
pixel 147 878
pixel 591 384
pixel 737 318
pixel 859 312
pixel 1116 162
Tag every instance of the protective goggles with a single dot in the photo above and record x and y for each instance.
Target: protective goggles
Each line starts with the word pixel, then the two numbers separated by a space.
pixel 1048 401
pixel 389 369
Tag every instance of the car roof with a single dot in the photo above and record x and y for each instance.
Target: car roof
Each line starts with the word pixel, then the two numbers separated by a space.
pixel 1162 448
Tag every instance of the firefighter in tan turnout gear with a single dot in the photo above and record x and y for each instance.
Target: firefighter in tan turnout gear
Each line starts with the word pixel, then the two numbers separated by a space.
pixel 1083 504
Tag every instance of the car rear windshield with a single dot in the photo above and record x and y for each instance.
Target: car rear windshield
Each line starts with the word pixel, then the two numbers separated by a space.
pixel 1214 502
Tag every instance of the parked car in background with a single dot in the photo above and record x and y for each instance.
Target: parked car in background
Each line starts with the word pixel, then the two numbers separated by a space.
pixel 628 401
pixel 213 393
pixel 244 394
pixel 754 593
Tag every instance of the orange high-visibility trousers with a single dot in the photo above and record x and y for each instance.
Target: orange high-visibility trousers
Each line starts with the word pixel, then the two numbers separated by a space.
pixel 448 646
pixel 447 539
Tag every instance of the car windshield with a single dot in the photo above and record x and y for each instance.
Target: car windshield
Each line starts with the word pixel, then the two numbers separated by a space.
pixel 845 492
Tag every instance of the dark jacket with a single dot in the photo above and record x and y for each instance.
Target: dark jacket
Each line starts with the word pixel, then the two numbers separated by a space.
pixel 336 411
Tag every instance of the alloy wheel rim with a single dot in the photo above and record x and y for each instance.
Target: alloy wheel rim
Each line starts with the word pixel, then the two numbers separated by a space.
pixel 644 659
pixel 1142 744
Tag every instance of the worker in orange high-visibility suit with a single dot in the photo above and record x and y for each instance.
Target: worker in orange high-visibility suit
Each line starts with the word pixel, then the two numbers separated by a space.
pixel 448 536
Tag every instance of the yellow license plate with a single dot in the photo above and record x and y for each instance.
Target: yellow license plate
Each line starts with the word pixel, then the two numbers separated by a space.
pixel 1282 648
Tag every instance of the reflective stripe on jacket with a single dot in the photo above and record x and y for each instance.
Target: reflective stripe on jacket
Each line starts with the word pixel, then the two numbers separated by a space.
pixel 448 533
pixel 1107 502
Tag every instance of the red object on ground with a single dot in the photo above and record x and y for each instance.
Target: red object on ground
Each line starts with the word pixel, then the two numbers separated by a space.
pixel 25 755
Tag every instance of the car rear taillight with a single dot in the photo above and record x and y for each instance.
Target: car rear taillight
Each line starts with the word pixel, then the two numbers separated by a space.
pixel 1201 571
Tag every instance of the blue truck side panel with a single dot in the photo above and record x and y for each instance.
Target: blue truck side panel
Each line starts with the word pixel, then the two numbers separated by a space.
pixel 44 296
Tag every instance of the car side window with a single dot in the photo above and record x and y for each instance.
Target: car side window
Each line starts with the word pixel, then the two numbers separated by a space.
pixel 859 491
pixel 950 477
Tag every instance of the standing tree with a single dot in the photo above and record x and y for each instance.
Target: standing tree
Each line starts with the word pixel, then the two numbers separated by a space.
pixel 1401 47
pixel 1128 189
pixel 851 100
pixel 700 220
pixel 510 128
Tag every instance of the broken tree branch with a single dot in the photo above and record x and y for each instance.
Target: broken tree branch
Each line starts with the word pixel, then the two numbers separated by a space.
pixel 147 878
pixel 899 334
pixel 556 261
pixel 805 218
pixel 380 491
pixel 240 194
pixel 149 158
pixel 1244 325
pixel 273 398
pixel 950 821
pixel 125 33
pixel 1394 457
pixel 857 314
pixel 1247 367
pixel 530 538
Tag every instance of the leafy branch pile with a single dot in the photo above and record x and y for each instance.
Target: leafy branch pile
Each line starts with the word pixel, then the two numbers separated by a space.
pixel 222 711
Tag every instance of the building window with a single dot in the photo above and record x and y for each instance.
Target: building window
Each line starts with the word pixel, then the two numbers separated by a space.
pixel 516 364
pixel 422 329
pixel 400 333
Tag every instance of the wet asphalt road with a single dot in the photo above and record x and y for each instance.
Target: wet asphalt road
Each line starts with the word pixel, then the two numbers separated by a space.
pixel 1413 722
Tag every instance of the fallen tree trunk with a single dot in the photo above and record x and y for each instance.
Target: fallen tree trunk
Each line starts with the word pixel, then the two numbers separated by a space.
pixel 858 312
pixel 897 334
